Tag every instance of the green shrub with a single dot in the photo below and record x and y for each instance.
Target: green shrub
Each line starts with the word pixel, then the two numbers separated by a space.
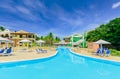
pixel 114 52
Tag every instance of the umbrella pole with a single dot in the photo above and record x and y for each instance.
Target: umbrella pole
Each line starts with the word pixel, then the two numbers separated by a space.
pixel 27 44
pixel 0 44
pixel 101 46
pixel 40 45
pixel 7 44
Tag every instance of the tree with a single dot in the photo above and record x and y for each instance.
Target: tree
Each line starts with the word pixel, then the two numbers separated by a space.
pixel 2 28
pixel 37 37
pixel 109 32
pixel 49 38
pixel 41 37
pixel 46 39
pixel 57 39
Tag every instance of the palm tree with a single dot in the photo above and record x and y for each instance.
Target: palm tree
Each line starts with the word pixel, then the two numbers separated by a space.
pixel 49 38
pixel 57 39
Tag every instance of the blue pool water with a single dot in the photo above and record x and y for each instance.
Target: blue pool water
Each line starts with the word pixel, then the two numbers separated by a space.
pixel 64 65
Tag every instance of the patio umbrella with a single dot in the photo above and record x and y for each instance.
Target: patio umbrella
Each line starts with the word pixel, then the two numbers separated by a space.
pixel 5 40
pixel 40 42
pixel 56 43
pixel 102 42
pixel 62 42
pixel 25 41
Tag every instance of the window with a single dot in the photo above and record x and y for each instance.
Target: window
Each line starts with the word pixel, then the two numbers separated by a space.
pixel 20 36
pixel 6 35
pixel 2 35
pixel 31 36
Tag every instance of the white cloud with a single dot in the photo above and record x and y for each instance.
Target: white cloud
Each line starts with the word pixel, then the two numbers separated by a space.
pixel 28 11
pixel 72 21
pixel 6 27
pixel 32 10
pixel 79 12
pixel 34 4
pixel 23 10
pixel 7 6
pixel 91 27
pixel 17 25
pixel 92 6
pixel 67 18
pixel 116 5
pixel 38 6
pixel 58 13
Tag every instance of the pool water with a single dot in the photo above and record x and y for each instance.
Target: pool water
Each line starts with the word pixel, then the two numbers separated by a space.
pixel 64 65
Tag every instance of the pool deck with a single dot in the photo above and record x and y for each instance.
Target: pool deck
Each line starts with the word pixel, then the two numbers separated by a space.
pixel 89 52
pixel 30 53
pixel 18 55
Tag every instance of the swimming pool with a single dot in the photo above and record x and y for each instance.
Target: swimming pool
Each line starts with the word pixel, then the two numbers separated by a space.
pixel 64 65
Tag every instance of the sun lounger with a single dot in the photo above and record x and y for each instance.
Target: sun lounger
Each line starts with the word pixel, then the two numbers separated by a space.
pixel 37 50
pixel 101 52
pixel 97 52
pixel 8 52
pixel 107 52
pixel 41 51
pixel 44 51
pixel 2 51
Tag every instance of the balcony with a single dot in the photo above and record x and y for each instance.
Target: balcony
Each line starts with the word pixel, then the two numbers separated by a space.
pixel 22 38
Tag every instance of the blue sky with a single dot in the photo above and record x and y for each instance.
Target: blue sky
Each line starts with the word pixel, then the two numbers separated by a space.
pixel 62 17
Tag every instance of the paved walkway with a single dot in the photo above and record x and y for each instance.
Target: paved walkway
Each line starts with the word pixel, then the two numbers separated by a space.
pixel 31 54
